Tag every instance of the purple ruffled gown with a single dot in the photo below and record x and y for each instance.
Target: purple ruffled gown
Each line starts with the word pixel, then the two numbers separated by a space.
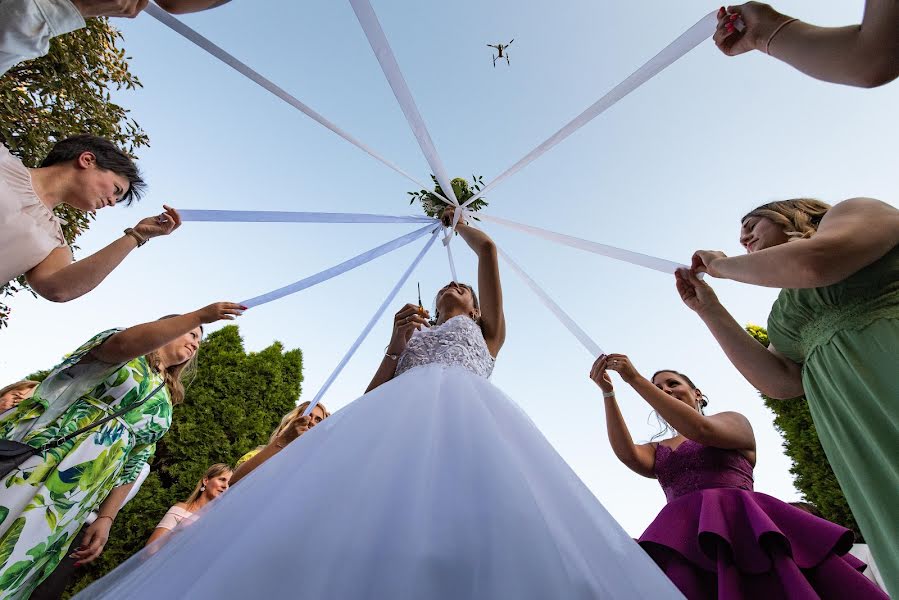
pixel 716 538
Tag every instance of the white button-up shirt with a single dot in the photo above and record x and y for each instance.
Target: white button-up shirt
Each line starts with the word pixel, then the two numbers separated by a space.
pixel 26 27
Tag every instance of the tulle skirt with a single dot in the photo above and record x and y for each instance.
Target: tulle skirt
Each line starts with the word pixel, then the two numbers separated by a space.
pixel 433 486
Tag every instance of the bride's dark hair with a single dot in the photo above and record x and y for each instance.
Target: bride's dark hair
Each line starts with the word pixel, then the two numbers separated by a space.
pixel 436 318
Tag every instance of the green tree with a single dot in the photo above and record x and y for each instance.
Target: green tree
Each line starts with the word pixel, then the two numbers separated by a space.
pixel 232 405
pixel 65 93
pixel 812 474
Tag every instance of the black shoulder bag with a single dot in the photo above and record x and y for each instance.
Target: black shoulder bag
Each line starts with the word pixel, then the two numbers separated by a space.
pixel 13 454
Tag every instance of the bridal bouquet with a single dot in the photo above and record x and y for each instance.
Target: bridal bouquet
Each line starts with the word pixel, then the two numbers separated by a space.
pixel 433 205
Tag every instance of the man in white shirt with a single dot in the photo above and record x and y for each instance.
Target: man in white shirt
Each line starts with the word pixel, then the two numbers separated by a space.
pixel 26 26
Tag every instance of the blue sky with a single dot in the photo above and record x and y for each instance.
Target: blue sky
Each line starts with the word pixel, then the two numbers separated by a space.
pixel 669 169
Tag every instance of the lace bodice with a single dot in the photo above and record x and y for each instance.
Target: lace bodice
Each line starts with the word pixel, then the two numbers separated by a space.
pixel 457 341
pixel 693 466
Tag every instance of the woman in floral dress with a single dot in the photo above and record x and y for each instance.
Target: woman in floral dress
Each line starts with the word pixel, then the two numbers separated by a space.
pixel 46 499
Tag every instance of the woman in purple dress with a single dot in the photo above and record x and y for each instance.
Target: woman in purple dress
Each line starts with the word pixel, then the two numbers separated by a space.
pixel 716 537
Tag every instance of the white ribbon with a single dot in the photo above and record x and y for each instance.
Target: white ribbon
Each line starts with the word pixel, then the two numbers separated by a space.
pixel 575 329
pixel 248 72
pixel 343 267
pixel 381 47
pixel 370 324
pixel 634 258
pixel 277 216
pixel 452 263
pixel 702 30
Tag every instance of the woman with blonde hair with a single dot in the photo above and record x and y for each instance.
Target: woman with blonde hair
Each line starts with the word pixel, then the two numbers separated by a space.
pixel 90 427
pixel 213 484
pixel 834 331
pixel 292 426
pixel 14 393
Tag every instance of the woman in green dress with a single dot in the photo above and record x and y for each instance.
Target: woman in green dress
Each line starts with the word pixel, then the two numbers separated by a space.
pixel 834 333
pixel 46 499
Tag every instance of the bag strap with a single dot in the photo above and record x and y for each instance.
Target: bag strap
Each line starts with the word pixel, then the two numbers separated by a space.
pixel 106 419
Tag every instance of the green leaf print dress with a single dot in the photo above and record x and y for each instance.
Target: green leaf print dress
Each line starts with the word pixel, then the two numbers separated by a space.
pixel 846 337
pixel 45 501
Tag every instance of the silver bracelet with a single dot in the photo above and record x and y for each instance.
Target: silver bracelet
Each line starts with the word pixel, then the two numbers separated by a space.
pixel 392 356
pixel 608 394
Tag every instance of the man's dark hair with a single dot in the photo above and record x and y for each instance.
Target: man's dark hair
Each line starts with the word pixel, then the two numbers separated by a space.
pixel 109 157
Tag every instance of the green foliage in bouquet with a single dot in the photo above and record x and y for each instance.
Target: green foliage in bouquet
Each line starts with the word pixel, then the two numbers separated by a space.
pixel 433 205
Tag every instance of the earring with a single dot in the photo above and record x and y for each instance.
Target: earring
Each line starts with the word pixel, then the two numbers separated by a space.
pixel 203 488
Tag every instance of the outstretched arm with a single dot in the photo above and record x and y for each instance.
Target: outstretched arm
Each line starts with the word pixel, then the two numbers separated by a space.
pixel 865 55
pixel 852 235
pixel 490 292
pixel 180 7
pixel 294 429
pixel 147 337
pixel 58 279
pixel 729 430
pixel 767 370
pixel 639 458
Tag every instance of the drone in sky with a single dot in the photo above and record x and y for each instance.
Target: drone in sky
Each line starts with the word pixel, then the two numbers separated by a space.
pixel 500 48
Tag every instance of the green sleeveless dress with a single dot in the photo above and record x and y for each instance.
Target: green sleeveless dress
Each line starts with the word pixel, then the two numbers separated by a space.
pixel 846 336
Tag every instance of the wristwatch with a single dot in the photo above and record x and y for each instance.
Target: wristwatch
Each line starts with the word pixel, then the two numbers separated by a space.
pixel 141 240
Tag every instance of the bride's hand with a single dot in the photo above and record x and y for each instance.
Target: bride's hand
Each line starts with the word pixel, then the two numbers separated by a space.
pixel 407 319
pixel 447 216
pixel 600 376
pixel 476 238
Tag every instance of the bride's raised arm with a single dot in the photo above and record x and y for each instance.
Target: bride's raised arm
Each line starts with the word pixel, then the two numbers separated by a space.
pixel 490 291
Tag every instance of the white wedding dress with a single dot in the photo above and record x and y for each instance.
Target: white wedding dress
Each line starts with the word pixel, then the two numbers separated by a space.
pixel 434 486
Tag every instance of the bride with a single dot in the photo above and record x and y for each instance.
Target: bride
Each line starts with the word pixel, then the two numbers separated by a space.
pixel 433 485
